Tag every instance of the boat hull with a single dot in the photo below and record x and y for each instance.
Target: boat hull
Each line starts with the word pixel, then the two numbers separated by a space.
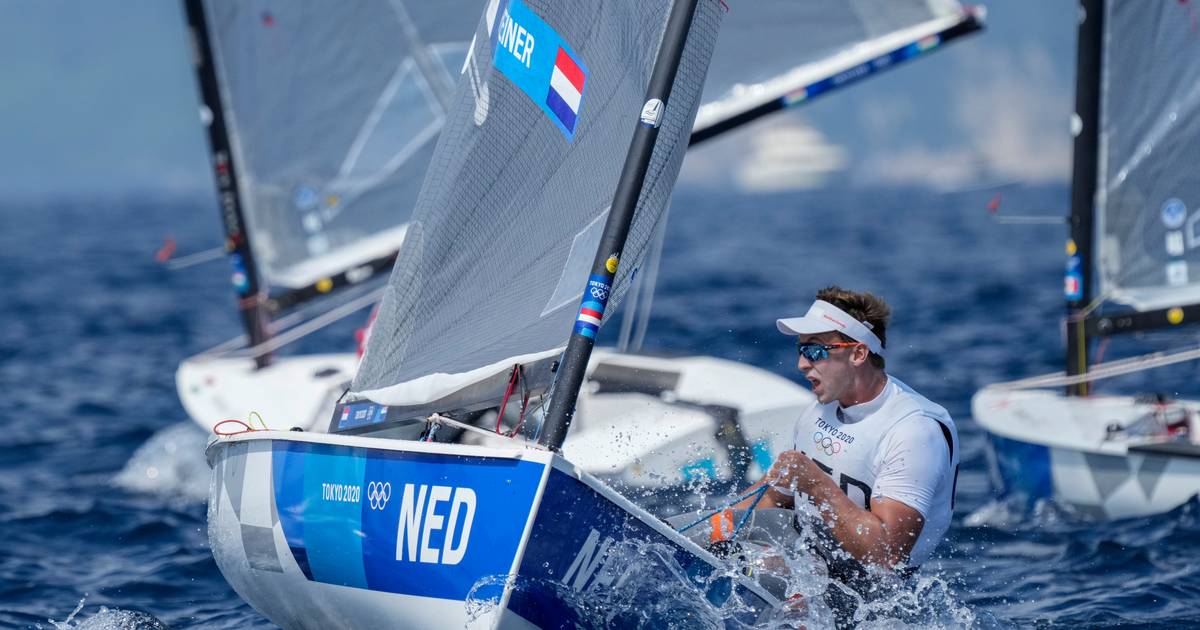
pixel 1043 445
pixel 335 531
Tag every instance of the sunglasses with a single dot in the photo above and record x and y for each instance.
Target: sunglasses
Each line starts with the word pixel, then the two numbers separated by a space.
pixel 817 351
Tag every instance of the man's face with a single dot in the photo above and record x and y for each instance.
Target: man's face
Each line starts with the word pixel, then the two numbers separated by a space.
pixel 830 377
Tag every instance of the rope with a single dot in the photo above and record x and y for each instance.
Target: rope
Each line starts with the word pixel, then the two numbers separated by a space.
pixel 757 494
pixel 245 428
pixel 524 408
pixel 512 382
pixel 255 414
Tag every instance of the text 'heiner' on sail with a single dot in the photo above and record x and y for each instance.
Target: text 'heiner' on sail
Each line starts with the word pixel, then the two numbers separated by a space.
pixel 502 239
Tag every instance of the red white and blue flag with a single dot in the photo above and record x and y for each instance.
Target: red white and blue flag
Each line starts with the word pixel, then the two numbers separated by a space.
pixel 540 62
pixel 566 89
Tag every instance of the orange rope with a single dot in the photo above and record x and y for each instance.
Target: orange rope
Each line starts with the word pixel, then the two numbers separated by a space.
pixel 245 428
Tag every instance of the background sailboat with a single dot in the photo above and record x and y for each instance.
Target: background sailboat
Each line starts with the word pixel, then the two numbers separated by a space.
pixel 1133 265
pixel 318 225
pixel 321 125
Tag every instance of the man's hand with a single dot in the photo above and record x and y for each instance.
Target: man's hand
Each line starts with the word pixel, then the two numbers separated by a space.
pixel 882 535
pixel 793 469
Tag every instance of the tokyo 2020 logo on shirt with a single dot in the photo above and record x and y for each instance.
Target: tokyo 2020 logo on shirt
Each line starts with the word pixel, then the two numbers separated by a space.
pixel 831 445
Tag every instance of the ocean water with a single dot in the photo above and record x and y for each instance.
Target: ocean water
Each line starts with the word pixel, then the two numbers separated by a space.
pixel 102 479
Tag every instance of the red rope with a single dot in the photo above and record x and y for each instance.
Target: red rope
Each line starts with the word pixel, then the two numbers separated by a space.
pixel 245 428
pixel 512 382
pixel 521 419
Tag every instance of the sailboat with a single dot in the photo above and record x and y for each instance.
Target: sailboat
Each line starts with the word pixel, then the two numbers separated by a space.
pixel 1131 267
pixel 311 218
pixel 376 531
pixel 562 144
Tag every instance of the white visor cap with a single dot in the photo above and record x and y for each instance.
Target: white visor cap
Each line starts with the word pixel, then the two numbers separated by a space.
pixel 824 317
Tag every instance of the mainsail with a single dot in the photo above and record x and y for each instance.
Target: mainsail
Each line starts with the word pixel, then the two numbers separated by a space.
pixel 507 223
pixel 331 115
pixel 1147 249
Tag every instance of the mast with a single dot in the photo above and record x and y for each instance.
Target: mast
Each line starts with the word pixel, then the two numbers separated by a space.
pixel 616 230
pixel 1079 278
pixel 251 296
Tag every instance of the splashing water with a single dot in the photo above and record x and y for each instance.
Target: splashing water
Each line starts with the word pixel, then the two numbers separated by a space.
pixel 108 619
pixel 644 587
pixel 641 585
pixel 170 464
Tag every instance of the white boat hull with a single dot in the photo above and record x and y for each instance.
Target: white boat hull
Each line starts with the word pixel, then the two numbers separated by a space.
pixel 302 528
pixel 609 438
pixel 1044 445
pixel 294 391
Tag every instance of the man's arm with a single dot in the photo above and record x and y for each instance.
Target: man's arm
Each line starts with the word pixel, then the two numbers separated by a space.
pixel 772 498
pixel 884 535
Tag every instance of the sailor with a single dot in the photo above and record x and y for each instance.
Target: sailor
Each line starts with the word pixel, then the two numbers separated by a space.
pixel 877 461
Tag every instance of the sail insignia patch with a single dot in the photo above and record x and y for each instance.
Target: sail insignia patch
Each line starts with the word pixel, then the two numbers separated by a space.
pixel 536 59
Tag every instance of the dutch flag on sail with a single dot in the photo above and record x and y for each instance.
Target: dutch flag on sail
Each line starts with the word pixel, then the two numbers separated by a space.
pixel 566 90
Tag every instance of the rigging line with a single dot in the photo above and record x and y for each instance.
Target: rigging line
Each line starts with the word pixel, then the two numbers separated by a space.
pixel 524 406
pixel 759 491
pixel 313 325
pixel 1115 368
pixel 512 382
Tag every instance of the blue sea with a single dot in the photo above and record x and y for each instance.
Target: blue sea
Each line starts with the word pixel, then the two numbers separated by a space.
pixel 102 478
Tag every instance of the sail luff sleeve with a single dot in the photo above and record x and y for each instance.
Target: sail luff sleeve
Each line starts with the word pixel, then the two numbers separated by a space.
pixel 511 213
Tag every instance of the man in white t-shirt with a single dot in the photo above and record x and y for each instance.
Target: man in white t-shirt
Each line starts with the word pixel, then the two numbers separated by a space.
pixel 877 459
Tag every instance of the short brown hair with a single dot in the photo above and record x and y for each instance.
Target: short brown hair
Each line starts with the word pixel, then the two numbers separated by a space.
pixel 864 307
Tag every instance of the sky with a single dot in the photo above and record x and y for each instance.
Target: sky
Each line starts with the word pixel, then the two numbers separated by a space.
pixel 98 98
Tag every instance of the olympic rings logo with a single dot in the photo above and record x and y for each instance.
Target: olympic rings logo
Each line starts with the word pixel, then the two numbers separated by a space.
pixel 828 444
pixel 378 494
pixel 599 293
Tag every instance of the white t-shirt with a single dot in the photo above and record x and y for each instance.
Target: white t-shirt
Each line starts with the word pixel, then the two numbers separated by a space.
pixel 894 446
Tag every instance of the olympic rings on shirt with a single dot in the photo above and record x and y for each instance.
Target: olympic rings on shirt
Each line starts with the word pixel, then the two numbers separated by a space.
pixel 827 443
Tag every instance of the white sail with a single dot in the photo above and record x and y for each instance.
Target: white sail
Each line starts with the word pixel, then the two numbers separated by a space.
pixel 1148 194
pixel 332 114
pixel 508 221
